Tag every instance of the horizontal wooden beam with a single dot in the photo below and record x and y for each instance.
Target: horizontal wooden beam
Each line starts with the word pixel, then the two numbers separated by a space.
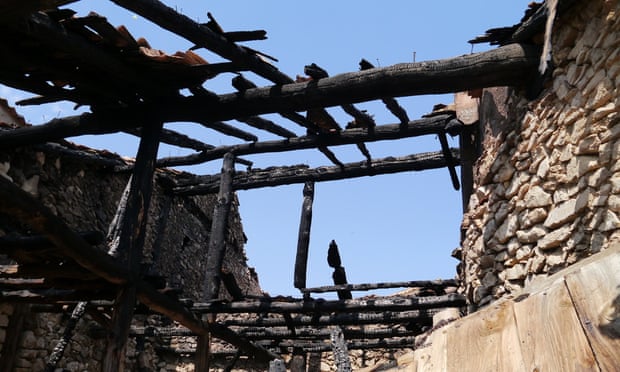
pixel 505 66
pixel 268 305
pixel 299 174
pixel 420 127
pixel 440 283
pixel 508 65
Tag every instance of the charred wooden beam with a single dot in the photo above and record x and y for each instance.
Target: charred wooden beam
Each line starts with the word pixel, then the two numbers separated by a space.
pixel 420 127
pixel 278 333
pixel 389 102
pixel 46 270
pixel 331 156
pixel 340 350
pixel 386 317
pixel 130 242
pixel 267 125
pixel 298 174
pixel 303 237
pixel 229 130
pixel 202 35
pixel 231 285
pixel 505 66
pixel 435 284
pixel 23 207
pixel 217 240
pixel 59 349
pixel 269 305
pixel 175 138
pixel 450 162
pixel 339 275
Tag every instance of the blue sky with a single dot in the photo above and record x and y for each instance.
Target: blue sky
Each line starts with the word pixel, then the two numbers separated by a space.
pixel 389 228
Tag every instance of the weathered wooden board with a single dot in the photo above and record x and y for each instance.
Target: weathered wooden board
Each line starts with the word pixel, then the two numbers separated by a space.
pixel 595 291
pixel 486 341
pixel 432 358
pixel 551 335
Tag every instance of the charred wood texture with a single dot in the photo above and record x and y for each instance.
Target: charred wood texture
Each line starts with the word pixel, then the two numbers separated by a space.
pixel 507 65
pixel 450 161
pixel 434 284
pixel 339 348
pixel 269 305
pixel 303 237
pixel 386 317
pixel 297 174
pixel 277 333
pixel 390 103
pixel 339 276
pixel 217 240
pixel 420 127
pixel 130 241
pixel 59 349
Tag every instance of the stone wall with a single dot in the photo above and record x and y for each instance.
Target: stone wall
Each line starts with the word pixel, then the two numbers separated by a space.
pixel 547 186
pixel 84 193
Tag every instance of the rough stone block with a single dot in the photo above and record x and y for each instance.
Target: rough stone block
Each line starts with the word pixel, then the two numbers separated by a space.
pixel 537 197
pixel 532 235
pixel 555 238
pixel 567 211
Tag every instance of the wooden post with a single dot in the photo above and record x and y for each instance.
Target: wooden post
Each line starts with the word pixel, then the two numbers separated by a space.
pixel 303 239
pixel 131 241
pixel 341 353
pixel 469 142
pixel 215 254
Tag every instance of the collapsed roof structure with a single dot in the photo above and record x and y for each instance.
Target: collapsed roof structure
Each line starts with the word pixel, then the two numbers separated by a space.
pixel 131 87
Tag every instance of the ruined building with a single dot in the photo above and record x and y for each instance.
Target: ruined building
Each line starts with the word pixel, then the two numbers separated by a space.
pixel 110 263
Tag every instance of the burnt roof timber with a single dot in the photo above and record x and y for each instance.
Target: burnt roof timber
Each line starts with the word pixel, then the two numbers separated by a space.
pixel 502 66
pixel 420 127
pixel 277 176
pixel 441 283
pixel 269 305
pixel 23 207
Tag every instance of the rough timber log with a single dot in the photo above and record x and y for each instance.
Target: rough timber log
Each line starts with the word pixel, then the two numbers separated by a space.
pixel 23 207
pixel 298 174
pixel 303 237
pixel 269 305
pixel 59 349
pixel 390 103
pixel 505 66
pixel 256 333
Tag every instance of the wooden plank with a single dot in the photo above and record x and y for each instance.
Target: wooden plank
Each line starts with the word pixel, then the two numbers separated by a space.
pixel 485 341
pixel 595 291
pixel 432 358
pixel 12 337
pixel 551 335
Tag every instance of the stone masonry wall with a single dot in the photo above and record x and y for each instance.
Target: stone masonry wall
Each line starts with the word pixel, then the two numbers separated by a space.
pixel 547 186
pixel 85 194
